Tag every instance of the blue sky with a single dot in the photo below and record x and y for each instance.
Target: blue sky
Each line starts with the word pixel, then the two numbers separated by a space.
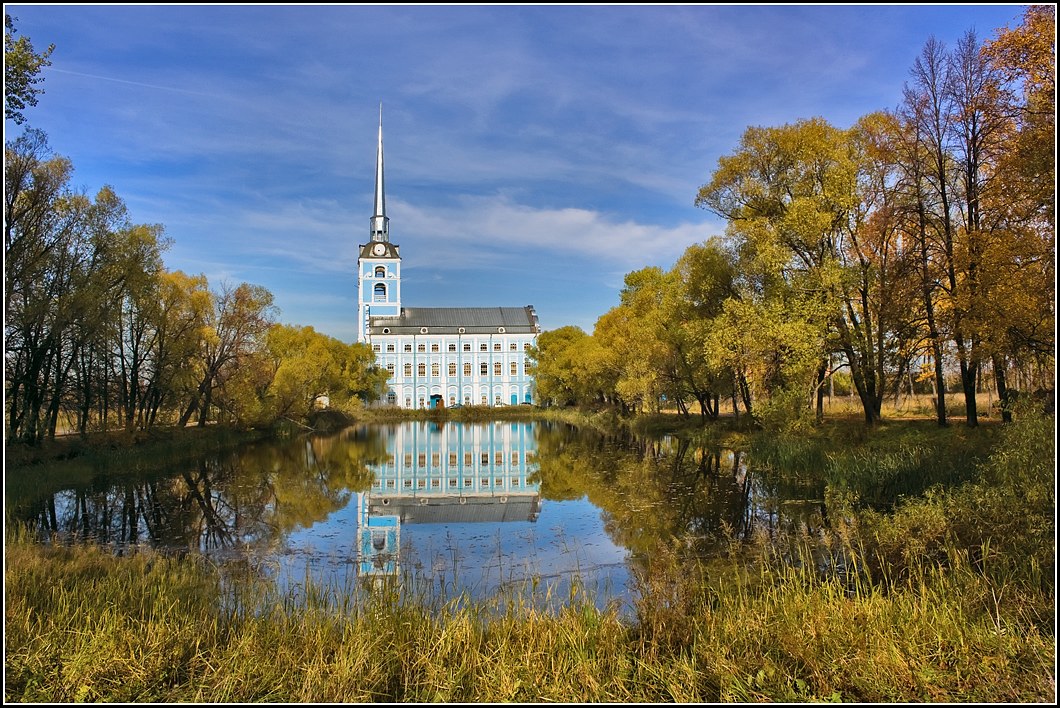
pixel 534 154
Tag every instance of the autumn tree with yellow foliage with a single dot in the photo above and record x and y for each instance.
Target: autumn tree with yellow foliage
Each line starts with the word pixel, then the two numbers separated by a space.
pixel 920 240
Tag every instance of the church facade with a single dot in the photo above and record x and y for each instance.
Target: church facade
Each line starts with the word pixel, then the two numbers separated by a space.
pixel 438 356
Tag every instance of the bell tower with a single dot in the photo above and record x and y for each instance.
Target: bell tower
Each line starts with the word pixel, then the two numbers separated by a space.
pixel 379 261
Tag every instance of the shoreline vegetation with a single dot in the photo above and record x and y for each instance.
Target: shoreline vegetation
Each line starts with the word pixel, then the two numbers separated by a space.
pixel 946 594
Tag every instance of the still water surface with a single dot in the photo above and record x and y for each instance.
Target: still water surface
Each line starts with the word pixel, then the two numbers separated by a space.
pixel 446 509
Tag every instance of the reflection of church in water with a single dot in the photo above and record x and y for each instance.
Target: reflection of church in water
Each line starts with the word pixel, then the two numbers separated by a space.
pixel 451 474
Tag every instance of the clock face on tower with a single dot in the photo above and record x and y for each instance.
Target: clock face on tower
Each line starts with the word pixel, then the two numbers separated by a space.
pixel 379 249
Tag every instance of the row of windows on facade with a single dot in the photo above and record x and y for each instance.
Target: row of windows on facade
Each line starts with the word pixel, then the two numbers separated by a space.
pixel 483 368
pixel 468 483
pixel 435 347
pixel 391 399
pixel 454 458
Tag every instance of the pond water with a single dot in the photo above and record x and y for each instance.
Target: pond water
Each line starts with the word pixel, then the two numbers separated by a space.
pixel 444 509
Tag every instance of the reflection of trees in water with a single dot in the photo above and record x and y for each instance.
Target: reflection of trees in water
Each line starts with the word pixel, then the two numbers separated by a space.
pixel 251 497
pixel 207 506
pixel 668 492
pixel 712 490
pixel 790 502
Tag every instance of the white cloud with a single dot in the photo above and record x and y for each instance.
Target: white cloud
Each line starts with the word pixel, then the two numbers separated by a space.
pixel 485 228
pixel 319 236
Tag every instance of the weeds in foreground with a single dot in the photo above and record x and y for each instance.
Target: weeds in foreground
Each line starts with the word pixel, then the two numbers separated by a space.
pixel 86 626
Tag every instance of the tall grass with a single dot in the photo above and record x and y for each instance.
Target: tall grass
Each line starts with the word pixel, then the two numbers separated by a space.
pixel 84 626
pixel 807 639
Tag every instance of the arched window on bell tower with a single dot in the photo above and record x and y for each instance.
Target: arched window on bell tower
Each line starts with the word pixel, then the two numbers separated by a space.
pixel 379 293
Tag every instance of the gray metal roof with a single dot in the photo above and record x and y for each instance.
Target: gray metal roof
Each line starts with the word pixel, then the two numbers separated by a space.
pixel 451 509
pixel 449 320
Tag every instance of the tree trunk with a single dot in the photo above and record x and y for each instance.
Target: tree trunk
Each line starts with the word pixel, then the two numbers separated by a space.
pixel 204 409
pixel 940 384
pixel 822 371
pixel 745 392
pixel 1002 388
pixel 969 374
pixel 864 385
pixel 193 405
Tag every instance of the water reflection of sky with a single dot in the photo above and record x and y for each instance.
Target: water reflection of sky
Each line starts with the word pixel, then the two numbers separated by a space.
pixel 566 541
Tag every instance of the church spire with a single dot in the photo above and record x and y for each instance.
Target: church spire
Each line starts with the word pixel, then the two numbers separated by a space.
pixel 380 223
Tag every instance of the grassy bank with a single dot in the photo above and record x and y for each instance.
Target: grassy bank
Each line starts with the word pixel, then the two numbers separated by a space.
pixel 462 414
pixel 108 446
pixel 85 626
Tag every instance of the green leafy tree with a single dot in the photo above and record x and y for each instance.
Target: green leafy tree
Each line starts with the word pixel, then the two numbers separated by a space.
pixel 776 346
pixel 361 379
pixel 35 180
pixel 557 356
pixel 136 315
pixel 633 354
pixel 791 197
pixel 659 330
pixel 68 261
pixel 309 365
pixel 633 334
pixel 700 283
pixel 880 328
pixel 22 67
pixel 39 219
pixel 183 303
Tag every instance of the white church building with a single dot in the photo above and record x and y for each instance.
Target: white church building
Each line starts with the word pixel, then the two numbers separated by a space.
pixel 438 356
